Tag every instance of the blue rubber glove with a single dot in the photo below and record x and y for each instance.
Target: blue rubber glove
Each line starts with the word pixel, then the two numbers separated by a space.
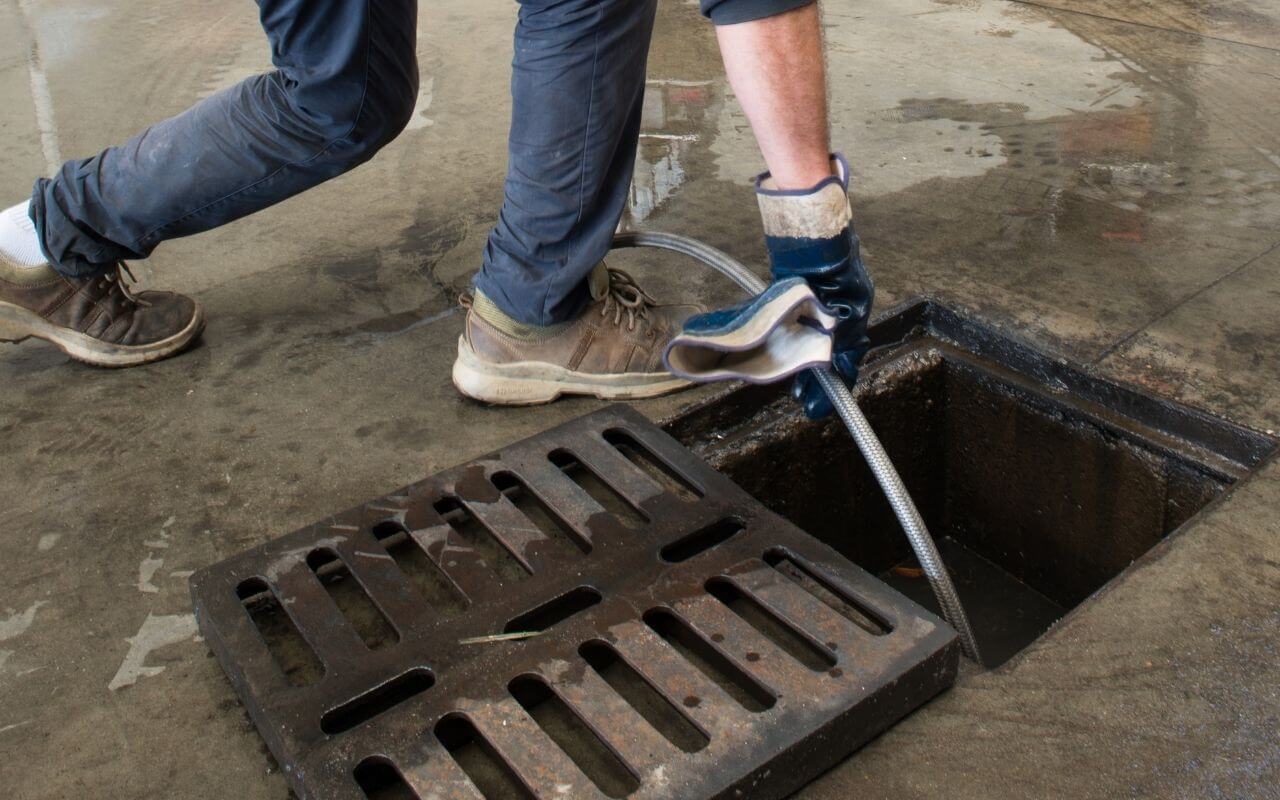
pixel 810 235
pixel 845 287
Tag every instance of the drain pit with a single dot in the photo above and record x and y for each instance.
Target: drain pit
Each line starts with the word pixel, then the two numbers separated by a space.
pixel 1040 481
pixel 1006 614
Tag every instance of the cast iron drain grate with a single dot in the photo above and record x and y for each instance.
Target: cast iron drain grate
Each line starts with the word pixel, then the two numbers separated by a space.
pixel 590 612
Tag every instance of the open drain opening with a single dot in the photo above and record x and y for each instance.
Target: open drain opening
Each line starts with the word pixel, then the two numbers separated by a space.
pixel 418 567
pixel 372 703
pixel 599 490
pixel 349 596
pixel 380 780
pixel 832 596
pixel 793 642
pixel 701 540
pixel 701 654
pixel 582 744
pixel 555 611
pixel 545 518
pixel 656 709
pixel 1039 482
pixel 660 471
pixel 288 648
pixel 474 533
pixel 491 775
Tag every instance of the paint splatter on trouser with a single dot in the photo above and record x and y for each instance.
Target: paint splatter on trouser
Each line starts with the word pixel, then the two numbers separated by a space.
pixel 345 85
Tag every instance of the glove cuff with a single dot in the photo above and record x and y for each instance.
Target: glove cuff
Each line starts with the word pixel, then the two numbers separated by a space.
pixel 808 231
pixel 819 212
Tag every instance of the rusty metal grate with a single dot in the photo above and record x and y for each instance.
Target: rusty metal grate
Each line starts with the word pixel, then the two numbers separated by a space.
pixel 592 612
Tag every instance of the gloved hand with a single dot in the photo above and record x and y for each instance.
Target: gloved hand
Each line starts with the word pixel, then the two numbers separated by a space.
pixel 810 235
pixel 844 286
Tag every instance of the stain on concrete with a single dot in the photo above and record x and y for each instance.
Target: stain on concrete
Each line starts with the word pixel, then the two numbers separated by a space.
pixel 156 632
pixel 146 571
pixel 17 622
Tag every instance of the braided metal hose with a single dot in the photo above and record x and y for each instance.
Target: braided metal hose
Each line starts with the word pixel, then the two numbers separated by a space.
pixel 863 435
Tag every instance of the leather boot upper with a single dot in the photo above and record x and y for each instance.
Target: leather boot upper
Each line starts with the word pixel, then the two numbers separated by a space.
pixel 101 307
pixel 622 330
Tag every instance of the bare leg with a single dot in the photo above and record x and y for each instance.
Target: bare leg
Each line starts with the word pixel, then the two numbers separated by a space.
pixel 776 68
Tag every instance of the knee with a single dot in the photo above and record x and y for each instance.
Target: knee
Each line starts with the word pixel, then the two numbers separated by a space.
pixel 356 119
pixel 383 111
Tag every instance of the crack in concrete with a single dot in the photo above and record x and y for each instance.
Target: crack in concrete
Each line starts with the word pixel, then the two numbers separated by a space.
pixel 1147 25
pixel 1134 334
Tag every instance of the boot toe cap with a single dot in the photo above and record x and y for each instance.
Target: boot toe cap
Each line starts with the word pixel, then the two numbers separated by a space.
pixel 165 316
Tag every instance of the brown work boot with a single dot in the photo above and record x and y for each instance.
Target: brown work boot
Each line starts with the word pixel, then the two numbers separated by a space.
pixel 95 320
pixel 613 350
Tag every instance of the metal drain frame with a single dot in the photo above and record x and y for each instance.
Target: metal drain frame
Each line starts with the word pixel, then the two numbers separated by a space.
pixel 818 717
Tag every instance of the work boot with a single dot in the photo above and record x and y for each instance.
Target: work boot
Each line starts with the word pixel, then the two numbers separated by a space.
pixel 613 350
pixel 95 320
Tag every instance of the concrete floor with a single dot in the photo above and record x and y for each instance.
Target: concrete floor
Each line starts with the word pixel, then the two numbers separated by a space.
pixel 1101 176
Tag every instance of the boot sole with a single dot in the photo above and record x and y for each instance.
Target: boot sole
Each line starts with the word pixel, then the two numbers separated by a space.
pixel 527 383
pixel 18 324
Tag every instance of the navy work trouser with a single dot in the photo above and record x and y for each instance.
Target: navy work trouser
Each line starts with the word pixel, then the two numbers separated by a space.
pixel 345 84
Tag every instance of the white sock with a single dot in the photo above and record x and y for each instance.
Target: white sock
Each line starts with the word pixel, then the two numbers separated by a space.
pixel 18 241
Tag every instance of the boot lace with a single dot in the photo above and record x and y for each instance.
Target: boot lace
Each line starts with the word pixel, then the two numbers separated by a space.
pixel 625 298
pixel 118 282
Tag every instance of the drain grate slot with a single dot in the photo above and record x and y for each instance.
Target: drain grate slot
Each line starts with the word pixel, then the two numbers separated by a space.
pixel 660 471
pixel 539 513
pixel 488 771
pixel 288 649
pixel 583 746
pixel 665 718
pixel 703 655
pixel 380 780
pixel 701 541
pixel 793 642
pixel 668 660
pixel 382 699
pixel 434 586
pixel 349 596
pixel 598 489
pixel 481 539
pixel 555 611
pixel 828 593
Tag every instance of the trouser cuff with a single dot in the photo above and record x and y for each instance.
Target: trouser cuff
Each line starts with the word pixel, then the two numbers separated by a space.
pixel 51 227
pixel 730 12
